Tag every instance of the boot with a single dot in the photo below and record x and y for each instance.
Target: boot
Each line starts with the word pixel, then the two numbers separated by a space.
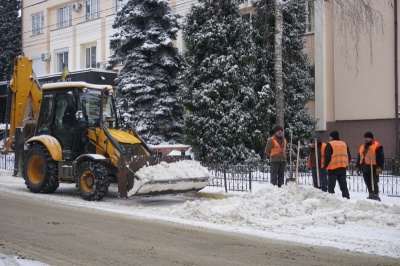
pixel 376 197
pixel 370 196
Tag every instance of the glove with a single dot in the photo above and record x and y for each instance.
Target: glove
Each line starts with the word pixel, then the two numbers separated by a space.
pixel 358 171
pixel 378 170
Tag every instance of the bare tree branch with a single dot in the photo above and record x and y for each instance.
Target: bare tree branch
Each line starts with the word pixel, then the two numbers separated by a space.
pixel 357 19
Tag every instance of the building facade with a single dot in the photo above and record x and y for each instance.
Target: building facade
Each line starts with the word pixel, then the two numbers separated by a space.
pixel 74 33
pixel 356 76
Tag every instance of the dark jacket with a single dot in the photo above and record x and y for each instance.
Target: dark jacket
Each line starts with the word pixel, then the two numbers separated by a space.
pixel 311 151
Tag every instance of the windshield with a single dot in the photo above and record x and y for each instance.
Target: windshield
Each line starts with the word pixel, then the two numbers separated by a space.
pixel 90 102
pixel 108 106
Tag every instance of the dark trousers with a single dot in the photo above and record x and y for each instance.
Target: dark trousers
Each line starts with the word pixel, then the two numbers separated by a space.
pixel 341 178
pixel 323 179
pixel 367 180
pixel 277 173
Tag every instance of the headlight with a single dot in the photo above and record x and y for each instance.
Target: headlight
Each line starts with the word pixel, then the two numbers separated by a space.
pixel 79 115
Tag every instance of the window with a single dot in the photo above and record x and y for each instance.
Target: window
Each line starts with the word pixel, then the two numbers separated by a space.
pixel 247 17
pixel 119 4
pixel 64 17
pixel 92 9
pixel 91 102
pixel 91 57
pixel 45 114
pixel 61 58
pixel 37 23
pixel 310 18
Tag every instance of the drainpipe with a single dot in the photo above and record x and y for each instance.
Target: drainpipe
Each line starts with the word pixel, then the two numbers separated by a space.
pixel 396 81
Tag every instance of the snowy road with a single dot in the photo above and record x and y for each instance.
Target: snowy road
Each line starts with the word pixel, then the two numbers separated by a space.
pixel 52 228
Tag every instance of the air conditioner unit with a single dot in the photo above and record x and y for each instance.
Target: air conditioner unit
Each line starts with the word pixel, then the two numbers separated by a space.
pixel 46 56
pixel 76 6
pixel 100 64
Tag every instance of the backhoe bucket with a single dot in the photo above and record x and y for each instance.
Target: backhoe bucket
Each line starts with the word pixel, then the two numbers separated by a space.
pixel 151 175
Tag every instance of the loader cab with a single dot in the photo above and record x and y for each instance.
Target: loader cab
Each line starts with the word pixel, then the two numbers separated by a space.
pixel 57 116
pixel 68 111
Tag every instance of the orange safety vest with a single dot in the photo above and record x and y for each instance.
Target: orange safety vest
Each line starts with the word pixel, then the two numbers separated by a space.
pixel 371 153
pixel 322 163
pixel 339 158
pixel 277 148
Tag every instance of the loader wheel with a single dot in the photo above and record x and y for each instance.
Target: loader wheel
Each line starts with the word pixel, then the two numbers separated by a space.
pixel 92 181
pixel 40 170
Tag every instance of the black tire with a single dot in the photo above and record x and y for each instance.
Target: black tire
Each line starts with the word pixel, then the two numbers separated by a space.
pixel 40 170
pixel 92 181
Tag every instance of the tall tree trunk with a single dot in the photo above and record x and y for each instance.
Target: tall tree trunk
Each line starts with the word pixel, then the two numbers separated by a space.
pixel 280 104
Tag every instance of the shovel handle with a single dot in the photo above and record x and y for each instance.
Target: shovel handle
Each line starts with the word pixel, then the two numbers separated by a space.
pixel 290 154
pixel 316 159
pixel 372 170
pixel 297 160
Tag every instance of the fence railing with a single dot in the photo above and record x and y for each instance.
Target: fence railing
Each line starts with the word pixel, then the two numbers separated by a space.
pixel 7 161
pixel 240 177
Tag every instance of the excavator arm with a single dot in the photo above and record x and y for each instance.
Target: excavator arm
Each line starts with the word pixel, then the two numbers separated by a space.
pixel 24 99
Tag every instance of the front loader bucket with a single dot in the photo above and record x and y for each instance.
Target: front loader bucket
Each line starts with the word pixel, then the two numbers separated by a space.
pixel 166 175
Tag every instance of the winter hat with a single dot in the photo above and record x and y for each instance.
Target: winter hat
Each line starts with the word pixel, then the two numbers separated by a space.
pixel 334 134
pixel 368 135
pixel 271 132
pixel 277 128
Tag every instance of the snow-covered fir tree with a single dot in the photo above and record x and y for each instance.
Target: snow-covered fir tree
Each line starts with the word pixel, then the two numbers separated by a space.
pixel 296 68
pixel 217 90
pixel 10 37
pixel 143 42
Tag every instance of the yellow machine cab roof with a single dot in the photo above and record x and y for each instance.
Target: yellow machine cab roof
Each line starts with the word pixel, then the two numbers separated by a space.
pixel 75 84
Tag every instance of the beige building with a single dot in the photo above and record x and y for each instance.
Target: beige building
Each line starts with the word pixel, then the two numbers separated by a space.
pixel 72 32
pixel 352 95
pixel 357 94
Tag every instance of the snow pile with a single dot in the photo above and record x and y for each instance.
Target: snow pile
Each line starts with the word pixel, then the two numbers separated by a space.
pixel 179 170
pixel 184 175
pixel 294 206
pixel 304 214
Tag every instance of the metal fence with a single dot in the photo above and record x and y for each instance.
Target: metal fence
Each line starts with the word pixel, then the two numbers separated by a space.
pixel 7 161
pixel 241 176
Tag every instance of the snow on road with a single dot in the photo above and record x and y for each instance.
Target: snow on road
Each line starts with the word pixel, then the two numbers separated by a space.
pixel 293 213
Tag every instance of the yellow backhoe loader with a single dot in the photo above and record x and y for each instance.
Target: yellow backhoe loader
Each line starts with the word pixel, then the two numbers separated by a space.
pixel 68 132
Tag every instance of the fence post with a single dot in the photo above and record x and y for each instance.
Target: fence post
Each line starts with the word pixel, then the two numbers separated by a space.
pixel 250 178
pixel 226 186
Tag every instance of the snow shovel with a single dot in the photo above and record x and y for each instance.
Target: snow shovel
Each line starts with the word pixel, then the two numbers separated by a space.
pixel 291 179
pixel 375 196
pixel 297 161
pixel 316 161
pixel 372 172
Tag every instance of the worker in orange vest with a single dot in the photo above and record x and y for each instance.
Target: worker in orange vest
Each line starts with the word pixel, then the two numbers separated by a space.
pixel 371 152
pixel 312 162
pixel 337 158
pixel 276 150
